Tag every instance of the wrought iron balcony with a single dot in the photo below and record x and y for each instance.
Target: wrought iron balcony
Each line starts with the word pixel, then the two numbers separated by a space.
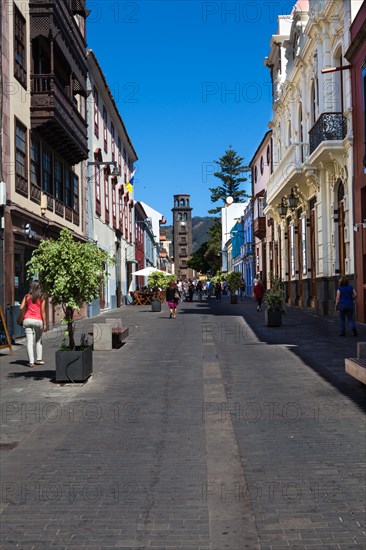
pixel 329 126
pixel 246 249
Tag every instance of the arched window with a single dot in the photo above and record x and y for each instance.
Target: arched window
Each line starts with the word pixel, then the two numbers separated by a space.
pixel 177 203
pixel 182 202
pixel 187 202
pixel 262 165
pixel 179 216
pixel 268 155
pixel 255 174
pixel 185 217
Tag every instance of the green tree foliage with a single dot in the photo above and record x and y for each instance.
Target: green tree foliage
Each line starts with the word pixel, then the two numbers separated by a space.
pixel 231 170
pixel 207 258
pixel 275 296
pixel 70 273
pixel 159 280
pixel 219 277
pixel 214 242
pixel 233 279
pixel 198 261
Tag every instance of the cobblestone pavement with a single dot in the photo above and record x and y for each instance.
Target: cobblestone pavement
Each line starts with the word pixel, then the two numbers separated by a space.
pixel 208 431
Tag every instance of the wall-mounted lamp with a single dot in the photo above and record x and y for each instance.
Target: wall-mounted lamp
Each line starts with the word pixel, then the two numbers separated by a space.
pixel 43 205
pixel 292 200
pixel 112 163
pixel 357 225
pixel 28 231
pixel 282 208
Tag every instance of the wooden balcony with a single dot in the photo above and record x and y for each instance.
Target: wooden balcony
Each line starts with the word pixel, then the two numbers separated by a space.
pixel 259 227
pixel 56 119
pixel 49 15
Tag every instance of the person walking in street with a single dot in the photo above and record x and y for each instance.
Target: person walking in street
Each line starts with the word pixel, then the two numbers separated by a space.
pixel 242 288
pixel 172 297
pixel 191 289
pixel 258 293
pixel 345 297
pixel 218 291
pixel 34 322
pixel 208 288
pixel 199 290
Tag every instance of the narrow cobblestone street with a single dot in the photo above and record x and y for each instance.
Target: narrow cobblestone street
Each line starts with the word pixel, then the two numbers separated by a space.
pixel 207 432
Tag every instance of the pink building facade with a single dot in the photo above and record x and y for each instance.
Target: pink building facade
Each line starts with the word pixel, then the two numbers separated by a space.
pixel 261 167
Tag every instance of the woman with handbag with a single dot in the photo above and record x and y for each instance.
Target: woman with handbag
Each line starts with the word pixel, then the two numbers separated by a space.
pixel 33 307
pixel 172 298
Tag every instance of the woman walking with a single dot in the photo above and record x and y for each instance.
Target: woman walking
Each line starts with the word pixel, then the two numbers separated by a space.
pixel 34 322
pixel 258 293
pixel 345 296
pixel 172 297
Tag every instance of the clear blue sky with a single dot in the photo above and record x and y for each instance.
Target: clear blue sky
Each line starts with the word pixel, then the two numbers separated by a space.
pixel 171 65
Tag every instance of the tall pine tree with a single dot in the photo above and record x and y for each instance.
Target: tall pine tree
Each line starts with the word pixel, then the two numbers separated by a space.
pixel 231 176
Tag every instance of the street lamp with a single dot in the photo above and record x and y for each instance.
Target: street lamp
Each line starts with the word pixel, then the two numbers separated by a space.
pixel 282 208
pixel 292 200
pixel 113 163
pixel 357 225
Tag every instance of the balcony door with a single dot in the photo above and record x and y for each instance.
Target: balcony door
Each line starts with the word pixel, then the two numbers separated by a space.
pixel 341 225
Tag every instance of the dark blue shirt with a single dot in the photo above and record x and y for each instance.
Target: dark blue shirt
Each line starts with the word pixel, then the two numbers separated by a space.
pixel 346 296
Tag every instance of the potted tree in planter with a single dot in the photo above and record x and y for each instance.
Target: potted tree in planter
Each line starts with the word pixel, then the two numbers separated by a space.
pixel 233 278
pixel 70 273
pixel 275 300
pixel 156 281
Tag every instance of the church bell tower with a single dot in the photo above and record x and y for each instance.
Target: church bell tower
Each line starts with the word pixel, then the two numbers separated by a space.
pixel 182 236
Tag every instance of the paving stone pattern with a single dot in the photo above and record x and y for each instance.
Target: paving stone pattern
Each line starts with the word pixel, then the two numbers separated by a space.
pixel 205 432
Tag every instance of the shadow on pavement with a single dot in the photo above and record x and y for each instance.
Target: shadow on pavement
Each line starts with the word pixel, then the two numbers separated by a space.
pixel 311 337
pixel 32 373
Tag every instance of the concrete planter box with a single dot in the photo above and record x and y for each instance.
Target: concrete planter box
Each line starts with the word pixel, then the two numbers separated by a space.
pixel 273 318
pixel 74 366
pixel 155 306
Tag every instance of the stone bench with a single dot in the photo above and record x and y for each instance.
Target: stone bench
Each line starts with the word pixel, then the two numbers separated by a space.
pixel 356 366
pixel 109 335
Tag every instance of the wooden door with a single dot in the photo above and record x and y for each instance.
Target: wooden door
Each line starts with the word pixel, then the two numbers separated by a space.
pixel 299 259
pixel 312 254
pixel 289 285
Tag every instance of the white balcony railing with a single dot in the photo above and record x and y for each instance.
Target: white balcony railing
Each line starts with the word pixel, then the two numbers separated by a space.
pixel 289 166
